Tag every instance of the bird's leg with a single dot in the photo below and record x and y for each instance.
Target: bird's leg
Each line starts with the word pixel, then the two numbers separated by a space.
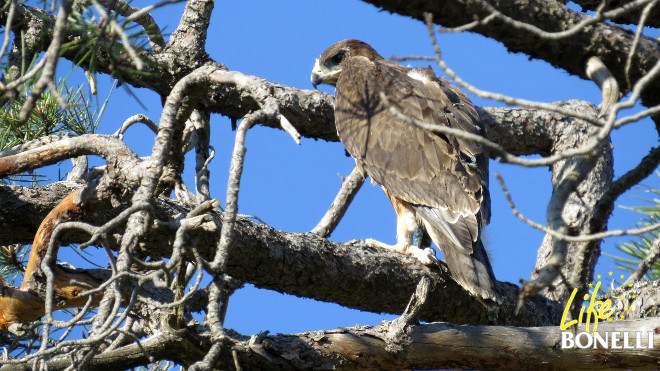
pixel 406 226
pixel 405 231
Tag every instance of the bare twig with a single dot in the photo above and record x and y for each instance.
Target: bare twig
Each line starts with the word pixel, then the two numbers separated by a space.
pixel 471 25
pixel 569 238
pixel 599 16
pixel 414 307
pixel 139 118
pixel 231 204
pixel 588 149
pixel 645 167
pixel 269 108
pixel 640 27
pixel 5 42
pixel 91 80
pixel 27 76
pixel 51 58
pixel 495 96
pixel 646 263
pixel 144 12
pixel 652 111
pixel 289 129
pixel 347 192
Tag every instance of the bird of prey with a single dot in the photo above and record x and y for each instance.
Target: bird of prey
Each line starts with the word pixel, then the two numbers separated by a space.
pixel 437 183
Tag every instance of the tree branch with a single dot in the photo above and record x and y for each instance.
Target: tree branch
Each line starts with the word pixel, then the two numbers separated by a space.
pixel 627 18
pixel 610 43
pixel 265 253
pixel 349 188
pixel 440 345
pixel 432 346
pixel 350 274
pixel 646 263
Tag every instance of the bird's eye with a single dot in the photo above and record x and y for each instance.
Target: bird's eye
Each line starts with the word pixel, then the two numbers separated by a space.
pixel 337 58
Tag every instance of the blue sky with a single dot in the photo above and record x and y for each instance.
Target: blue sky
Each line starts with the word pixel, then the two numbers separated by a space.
pixel 291 186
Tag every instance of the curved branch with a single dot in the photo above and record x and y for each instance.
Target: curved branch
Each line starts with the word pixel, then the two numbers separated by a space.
pixel 43 152
pixel 27 304
pixel 441 345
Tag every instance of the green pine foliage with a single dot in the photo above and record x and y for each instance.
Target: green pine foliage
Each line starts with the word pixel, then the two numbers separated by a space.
pixel 98 40
pixel 637 249
pixel 11 261
pixel 70 110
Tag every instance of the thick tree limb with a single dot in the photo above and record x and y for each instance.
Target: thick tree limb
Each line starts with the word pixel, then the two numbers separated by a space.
pixel 350 274
pixel 432 346
pixel 166 346
pixel 304 264
pixel 190 36
pixel 440 346
pixel 277 260
pixel 311 112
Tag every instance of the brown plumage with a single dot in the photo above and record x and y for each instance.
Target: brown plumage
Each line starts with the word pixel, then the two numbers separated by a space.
pixel 434 181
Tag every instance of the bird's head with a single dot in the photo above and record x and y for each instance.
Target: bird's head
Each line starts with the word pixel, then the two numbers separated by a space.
pixel 329 64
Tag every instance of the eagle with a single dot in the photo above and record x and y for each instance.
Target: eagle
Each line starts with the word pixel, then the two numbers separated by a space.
pixel 437 183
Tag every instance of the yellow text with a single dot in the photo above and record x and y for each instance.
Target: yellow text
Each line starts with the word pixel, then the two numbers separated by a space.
pixel 596 307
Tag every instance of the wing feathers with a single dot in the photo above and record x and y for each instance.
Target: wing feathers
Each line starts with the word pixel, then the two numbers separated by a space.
pixel 445 179
pixel 414 164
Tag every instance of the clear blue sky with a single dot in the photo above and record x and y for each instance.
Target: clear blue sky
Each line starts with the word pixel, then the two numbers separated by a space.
pixel 290 186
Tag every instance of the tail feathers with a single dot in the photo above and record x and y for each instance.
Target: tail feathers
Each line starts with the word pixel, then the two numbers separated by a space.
pixel 469 267
pixel 472 271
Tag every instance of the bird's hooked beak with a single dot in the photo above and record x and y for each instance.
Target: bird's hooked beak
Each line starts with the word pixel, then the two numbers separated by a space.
pixel 324 75
pixel 317 74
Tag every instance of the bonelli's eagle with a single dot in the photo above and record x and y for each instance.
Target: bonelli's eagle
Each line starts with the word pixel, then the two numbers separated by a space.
pixel 436 182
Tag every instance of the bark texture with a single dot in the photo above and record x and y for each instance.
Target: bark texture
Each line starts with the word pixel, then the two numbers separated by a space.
pixel 305 264
pixel 611 43
pixel 429 346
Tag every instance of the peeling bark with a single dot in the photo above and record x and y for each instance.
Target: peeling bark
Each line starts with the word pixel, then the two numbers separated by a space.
pixel 432 346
